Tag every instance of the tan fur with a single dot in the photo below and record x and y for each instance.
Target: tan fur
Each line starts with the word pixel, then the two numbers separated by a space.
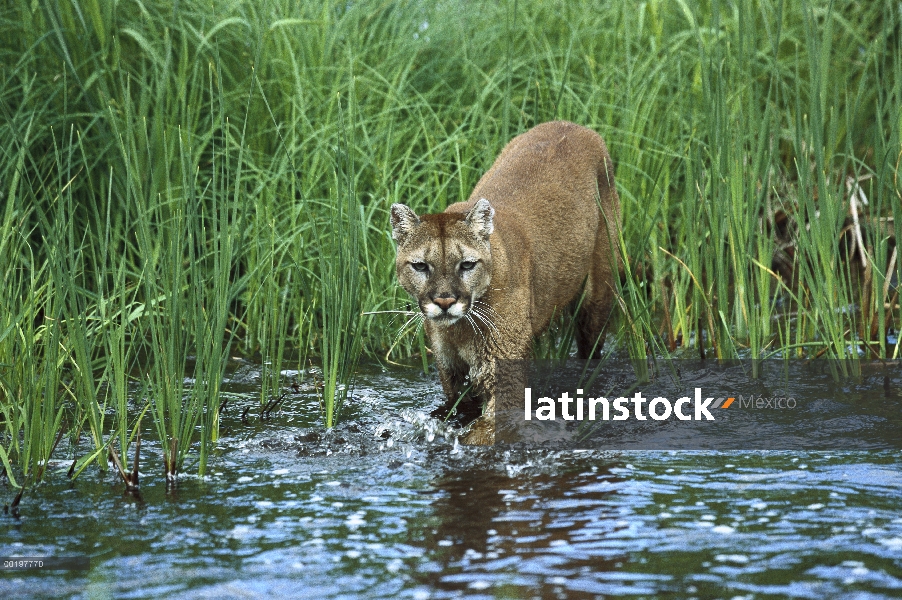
pixel 535 242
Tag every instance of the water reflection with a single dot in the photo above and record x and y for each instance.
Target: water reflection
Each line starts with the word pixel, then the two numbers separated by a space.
pixel 517 528
pixel 652 523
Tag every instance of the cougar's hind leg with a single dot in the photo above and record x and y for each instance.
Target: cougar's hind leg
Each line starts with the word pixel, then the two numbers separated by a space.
pixel 595 312
pixel 591 323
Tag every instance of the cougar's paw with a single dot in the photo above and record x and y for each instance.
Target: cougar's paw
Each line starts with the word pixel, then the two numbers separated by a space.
pixel 481 432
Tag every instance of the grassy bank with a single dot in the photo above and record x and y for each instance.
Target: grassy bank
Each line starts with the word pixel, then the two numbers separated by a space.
pixel 179 183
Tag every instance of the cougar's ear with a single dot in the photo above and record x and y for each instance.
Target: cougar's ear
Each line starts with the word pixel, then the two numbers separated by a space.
pixel 480 219
pixel 403 220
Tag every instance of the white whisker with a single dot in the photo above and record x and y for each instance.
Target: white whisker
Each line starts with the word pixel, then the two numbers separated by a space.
pixel 481 310
pixel 485 319
pixel 492 329
pixel 486 304
pixel 419 317
pixel 476 329
pixel 484 309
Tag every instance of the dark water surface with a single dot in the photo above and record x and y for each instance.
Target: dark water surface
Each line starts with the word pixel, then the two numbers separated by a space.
pixel 383 507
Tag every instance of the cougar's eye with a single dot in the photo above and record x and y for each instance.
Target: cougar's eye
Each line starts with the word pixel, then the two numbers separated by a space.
pixel 420 266
pixel 467 265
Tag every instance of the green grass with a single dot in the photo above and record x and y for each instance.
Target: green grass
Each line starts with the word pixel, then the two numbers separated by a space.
pixel 181 184
pixel 338 242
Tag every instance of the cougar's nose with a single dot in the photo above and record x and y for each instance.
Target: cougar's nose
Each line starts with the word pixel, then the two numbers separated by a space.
pixel 445 301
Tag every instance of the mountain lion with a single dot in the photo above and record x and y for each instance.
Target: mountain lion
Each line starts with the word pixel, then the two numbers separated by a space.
pixel 488 274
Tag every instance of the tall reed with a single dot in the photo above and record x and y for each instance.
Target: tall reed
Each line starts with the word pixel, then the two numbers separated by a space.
pixel 341 306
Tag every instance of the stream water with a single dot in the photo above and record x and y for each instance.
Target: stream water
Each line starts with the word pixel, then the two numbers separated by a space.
pixel 384 506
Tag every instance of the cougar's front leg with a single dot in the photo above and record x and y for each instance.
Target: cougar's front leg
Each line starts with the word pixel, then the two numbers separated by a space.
pixel 485 376
pixel 452 372
pixel 453 378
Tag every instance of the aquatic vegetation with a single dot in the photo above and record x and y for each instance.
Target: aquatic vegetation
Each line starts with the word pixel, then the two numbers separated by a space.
pixel 338 241
pixel 180 185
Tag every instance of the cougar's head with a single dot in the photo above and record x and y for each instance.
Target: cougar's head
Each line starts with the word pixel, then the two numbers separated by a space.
pixel 444 260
